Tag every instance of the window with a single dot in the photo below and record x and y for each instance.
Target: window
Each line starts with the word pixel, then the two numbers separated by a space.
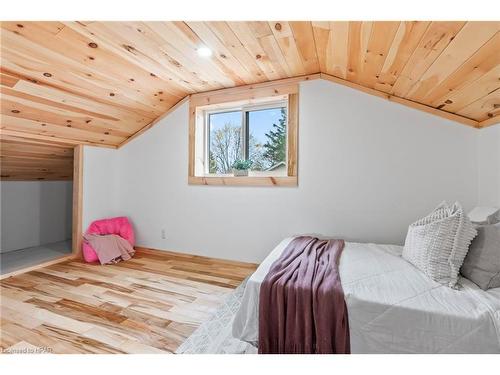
pixel 258 126
pixel 253 133
pixel 224 141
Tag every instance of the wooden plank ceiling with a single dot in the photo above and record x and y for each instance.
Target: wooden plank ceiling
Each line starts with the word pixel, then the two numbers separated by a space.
pixel 27 161
pixel 101 82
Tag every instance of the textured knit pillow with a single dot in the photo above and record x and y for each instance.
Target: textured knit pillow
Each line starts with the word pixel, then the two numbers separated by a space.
pixel 482 263
pixel 438 243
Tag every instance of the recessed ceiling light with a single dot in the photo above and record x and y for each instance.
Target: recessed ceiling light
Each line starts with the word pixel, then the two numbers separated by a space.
pixel 204 51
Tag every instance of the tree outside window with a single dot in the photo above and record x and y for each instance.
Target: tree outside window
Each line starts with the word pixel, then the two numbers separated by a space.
pixel 258 135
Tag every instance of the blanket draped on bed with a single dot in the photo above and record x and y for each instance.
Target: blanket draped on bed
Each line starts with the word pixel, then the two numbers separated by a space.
pixel 302 307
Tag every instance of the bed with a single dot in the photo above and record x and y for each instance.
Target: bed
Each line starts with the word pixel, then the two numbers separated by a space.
pixel 393 307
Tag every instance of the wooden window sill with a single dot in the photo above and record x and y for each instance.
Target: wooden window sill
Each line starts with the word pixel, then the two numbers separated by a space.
pixel 243 181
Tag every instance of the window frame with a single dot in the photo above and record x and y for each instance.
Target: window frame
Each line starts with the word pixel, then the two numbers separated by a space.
pixel 265 95
pixel 245 109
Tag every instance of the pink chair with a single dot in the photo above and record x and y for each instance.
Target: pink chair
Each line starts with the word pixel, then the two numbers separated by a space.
pixel 117 225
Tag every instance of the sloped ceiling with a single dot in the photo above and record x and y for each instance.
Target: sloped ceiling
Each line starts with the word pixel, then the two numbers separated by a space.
pixel 102 82
pixel 25 161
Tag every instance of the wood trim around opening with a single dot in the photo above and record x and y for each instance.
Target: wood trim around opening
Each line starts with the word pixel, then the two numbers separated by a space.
pixel 490 122
pixel 293 136
pixel 437 112
pixel 244 181
pixel 250 92
pixel 76 219
pixel 77 200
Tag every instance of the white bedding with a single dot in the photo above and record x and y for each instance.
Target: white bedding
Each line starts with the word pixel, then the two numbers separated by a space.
pixel 394 308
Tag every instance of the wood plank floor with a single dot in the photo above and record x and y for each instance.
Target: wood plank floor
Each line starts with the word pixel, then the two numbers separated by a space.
pixel 149 304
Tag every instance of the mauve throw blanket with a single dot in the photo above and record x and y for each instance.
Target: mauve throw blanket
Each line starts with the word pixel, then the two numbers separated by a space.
pixel 302 307
pixel 110 248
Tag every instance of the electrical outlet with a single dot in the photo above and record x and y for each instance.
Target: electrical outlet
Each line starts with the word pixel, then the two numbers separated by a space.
pixel 163 234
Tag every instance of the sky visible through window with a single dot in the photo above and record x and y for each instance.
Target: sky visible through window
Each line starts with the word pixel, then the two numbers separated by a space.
pixel 261 121
pixel 225 146
pixel 218 120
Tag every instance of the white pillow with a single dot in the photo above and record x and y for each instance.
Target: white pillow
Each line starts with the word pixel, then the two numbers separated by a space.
pixel 484 215
pixel 438 243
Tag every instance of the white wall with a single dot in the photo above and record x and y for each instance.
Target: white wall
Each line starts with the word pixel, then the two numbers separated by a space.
pixel 489 166
pixel 35 213
pixel 367 168
pixel 100 179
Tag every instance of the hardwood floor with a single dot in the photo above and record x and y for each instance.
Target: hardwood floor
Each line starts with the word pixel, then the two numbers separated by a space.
pixel 149 304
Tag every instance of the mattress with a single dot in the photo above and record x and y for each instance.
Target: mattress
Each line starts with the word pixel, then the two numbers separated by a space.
pixel 395 308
